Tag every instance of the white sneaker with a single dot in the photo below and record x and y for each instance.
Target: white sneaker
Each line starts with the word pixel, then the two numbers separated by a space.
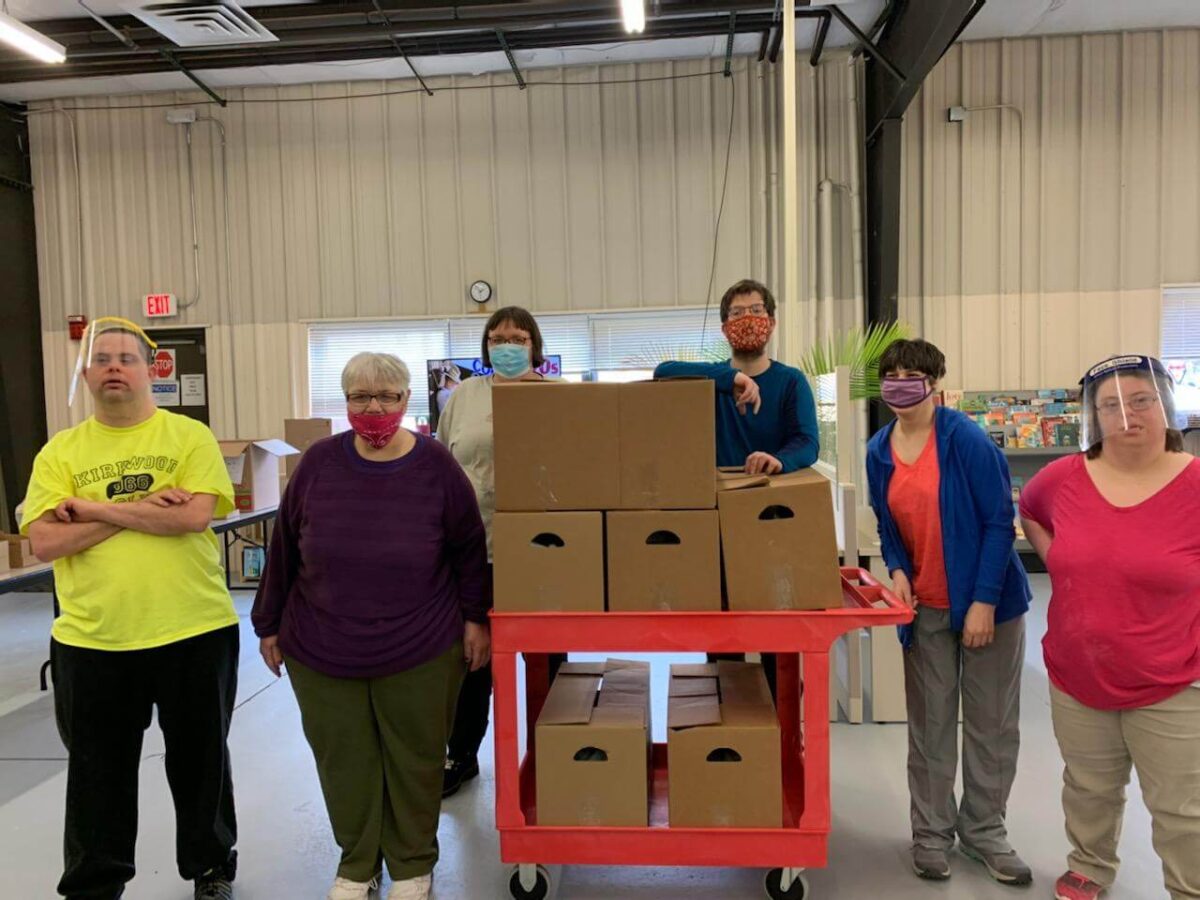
pixel 411 888
pixel 345 889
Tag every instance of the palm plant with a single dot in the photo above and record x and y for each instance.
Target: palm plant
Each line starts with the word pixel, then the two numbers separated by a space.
pixel 860 350
pixel 652 353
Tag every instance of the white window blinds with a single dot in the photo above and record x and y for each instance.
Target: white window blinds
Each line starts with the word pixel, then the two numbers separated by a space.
pixel 642 340
pixel 1181 323
pixel 331 346
pixel 592 346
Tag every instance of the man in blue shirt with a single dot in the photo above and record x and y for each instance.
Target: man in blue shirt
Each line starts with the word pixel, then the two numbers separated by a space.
pixel 766 417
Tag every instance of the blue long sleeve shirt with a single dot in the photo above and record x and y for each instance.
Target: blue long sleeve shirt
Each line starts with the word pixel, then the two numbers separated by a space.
pixel 785 425
pixel 975 504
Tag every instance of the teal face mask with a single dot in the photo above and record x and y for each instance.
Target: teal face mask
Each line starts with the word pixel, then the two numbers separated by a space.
pixel 510 360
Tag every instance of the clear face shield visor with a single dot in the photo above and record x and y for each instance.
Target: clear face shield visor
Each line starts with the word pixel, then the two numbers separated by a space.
pixel 87 347
pixel 1123 394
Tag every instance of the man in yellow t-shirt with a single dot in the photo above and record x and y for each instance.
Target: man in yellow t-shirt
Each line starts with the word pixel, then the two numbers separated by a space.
pixel 122 504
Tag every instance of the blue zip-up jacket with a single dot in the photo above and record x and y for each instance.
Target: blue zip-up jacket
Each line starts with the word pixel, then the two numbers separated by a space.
pixel 975 497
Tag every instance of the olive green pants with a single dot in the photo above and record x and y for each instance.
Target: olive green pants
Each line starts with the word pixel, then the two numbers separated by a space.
pixel 380 746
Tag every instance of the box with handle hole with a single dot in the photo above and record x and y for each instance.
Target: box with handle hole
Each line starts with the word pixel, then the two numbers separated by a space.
pixel 548 561
pixel 663 560
pixel 778 542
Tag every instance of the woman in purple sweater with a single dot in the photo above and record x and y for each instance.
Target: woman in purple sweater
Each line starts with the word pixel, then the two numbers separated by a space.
pixel 374 595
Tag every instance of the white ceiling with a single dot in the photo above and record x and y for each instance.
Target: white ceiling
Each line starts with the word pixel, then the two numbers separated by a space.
pixel 1024 18
pixel 998 18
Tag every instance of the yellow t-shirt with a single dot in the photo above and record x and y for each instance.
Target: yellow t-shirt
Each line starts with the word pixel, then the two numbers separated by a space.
pixel 134 590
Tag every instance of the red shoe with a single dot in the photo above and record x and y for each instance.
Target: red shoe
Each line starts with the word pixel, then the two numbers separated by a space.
pixel 1074 886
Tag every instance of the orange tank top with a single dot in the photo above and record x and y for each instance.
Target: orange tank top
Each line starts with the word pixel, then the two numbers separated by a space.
pixel 913 501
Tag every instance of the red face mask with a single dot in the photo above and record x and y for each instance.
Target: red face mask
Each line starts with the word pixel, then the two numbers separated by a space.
pixel 748 334
pixel 377 430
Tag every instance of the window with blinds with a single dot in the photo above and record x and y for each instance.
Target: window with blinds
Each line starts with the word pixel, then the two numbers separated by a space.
pixel 611 346
pixel 1181 346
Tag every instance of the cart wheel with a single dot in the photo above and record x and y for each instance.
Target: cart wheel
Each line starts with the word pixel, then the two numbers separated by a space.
pixel 774 885
pixel 541 887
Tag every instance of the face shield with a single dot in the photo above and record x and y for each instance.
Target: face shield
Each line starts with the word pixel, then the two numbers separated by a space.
pixel 95 329
pixel 1123 394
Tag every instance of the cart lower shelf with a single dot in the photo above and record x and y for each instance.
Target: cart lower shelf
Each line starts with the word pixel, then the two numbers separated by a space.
pixel 659 844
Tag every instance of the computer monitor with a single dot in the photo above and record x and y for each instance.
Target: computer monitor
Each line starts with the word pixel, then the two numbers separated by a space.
pixel 447 374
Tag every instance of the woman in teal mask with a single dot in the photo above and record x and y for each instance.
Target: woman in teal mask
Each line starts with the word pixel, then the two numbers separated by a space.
pixel 512 349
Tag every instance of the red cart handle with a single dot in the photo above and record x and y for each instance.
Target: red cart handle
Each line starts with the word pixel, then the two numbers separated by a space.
pixel 872 590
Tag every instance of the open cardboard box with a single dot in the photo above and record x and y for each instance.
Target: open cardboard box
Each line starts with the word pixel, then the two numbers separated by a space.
pixel 779 541
pixel 593 746
pixel 723 748
pixel 641 445
pixel 254 470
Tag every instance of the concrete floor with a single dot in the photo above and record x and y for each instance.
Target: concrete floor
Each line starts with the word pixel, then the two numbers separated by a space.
pixel 286 850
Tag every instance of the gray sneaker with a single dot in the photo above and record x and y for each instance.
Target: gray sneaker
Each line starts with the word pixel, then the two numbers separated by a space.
pixel 1006 868
pixel 929 863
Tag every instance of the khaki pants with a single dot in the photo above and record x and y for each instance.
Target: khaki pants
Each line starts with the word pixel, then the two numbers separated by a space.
pixel 380 747
pixel 1098 747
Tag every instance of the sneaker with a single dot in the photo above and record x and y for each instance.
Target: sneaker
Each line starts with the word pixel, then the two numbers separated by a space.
pixel 1006 868
pixel 1074 886
pixel 217 884
pixel 457 774
pixel 411 888
pixel 345 889
pixel 930 864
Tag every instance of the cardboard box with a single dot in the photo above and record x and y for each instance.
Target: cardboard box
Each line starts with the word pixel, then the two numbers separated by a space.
pixel 302 434
pixel 643 445
pixel 723 748
pixel 549 562
pixel 16 552
pixel 254 470
pixel 593 746
pixel 668 440
pixel 556 446
pixel 779 544
pixel 662 561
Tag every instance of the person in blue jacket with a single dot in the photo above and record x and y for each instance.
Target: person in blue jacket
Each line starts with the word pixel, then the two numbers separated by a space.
pixel 766 417
pixel 942 494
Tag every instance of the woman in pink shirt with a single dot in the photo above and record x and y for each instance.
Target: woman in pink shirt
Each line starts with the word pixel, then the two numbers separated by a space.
pixel 1118 529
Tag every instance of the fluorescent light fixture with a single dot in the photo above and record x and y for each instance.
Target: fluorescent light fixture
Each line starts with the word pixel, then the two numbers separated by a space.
pixel 22 37
pixel 634 14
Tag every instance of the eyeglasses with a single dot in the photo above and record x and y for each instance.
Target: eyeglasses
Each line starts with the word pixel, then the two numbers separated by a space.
pixel 1138 403
pixel 758 309
pixel 516 341
pixel 359 401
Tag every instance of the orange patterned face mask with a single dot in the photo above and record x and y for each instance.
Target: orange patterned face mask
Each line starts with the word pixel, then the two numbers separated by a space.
pixel 748 334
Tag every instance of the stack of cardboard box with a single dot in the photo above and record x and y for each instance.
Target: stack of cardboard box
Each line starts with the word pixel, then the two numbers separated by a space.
pixel 572 459
pixel 607 497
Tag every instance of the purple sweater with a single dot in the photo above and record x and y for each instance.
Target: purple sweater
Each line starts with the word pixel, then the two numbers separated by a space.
pixel 373 566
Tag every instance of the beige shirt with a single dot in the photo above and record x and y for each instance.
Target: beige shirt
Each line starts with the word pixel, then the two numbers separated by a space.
pixel 465 427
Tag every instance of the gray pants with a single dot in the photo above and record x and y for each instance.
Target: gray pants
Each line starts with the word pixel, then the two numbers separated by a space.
pixel 936 668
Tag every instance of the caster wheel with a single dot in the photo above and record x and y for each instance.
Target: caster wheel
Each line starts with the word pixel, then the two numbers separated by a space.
pixel 541 888
pixel 773 884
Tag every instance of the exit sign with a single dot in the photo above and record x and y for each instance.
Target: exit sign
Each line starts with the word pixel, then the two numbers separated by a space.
pixel 159 305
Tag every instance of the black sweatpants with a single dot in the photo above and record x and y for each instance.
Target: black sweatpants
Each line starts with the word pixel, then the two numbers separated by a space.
pixel 103 701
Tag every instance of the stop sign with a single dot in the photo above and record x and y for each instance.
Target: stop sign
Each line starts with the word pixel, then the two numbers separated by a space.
pixel 164 364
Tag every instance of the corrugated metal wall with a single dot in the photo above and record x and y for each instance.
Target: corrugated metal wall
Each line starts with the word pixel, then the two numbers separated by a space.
pixel 1036 239
pixel 599 191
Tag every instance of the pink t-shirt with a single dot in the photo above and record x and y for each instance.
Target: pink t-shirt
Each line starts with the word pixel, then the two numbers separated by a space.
pixel 1124 618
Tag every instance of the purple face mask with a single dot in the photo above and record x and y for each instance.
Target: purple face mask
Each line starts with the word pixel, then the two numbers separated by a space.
pixel 904 393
